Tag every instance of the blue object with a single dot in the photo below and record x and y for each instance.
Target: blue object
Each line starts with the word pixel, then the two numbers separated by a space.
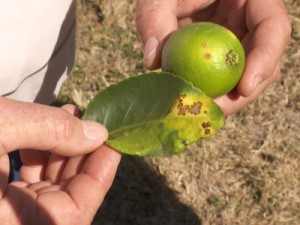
pixel 15 165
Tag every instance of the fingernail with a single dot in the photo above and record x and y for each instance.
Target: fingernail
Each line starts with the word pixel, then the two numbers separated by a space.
pixel 149 51
pixel 94 131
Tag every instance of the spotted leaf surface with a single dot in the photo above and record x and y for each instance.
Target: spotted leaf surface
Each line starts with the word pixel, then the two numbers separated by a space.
pixel 154 114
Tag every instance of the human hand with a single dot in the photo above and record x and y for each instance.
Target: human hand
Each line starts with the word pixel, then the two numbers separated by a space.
pixel 262 26
pixel 66 169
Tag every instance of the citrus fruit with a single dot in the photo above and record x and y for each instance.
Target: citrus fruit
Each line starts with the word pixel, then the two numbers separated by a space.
pixel 206 54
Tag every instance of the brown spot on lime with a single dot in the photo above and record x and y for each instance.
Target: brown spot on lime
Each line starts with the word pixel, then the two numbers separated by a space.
pixel 207 56
pixel 232 58
pixel 204 45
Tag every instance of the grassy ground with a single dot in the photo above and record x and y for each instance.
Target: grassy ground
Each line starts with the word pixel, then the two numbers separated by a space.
pixel 247 174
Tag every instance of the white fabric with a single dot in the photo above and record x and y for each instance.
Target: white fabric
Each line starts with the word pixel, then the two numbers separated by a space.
pixel 36 47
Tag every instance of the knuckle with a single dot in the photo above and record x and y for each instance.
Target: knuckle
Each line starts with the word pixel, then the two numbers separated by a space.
pixel 150 12
pixel 3 148
pixel 277 73
pixel 64 126
pixel 145 7
pixel 288 27
pixel 285 25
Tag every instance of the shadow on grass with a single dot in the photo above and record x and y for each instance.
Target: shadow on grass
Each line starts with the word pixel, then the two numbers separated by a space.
pixel 140 196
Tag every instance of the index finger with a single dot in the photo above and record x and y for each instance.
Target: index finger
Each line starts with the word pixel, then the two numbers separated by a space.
pixel 155 20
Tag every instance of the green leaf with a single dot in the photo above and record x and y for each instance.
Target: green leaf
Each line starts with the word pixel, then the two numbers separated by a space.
pixel 154 114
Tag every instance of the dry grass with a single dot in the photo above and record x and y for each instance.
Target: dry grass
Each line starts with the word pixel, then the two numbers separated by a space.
pixel 247 174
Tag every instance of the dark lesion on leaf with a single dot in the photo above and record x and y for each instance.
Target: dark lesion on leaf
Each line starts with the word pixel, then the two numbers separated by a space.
pixel 184 143
pixel 207 131
pixel 181 107
pixel 206 126
pixel 194 109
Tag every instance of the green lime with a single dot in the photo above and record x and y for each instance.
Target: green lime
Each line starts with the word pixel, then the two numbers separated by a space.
pixel 206 54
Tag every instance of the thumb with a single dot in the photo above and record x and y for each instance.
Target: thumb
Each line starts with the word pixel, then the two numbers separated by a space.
pixel 155 21
pixel 40 127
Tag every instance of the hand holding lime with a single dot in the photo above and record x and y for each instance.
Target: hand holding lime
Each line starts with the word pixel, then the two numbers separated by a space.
pixel 206 54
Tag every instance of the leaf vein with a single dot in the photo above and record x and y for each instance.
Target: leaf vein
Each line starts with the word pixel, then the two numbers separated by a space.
pixel 127 113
